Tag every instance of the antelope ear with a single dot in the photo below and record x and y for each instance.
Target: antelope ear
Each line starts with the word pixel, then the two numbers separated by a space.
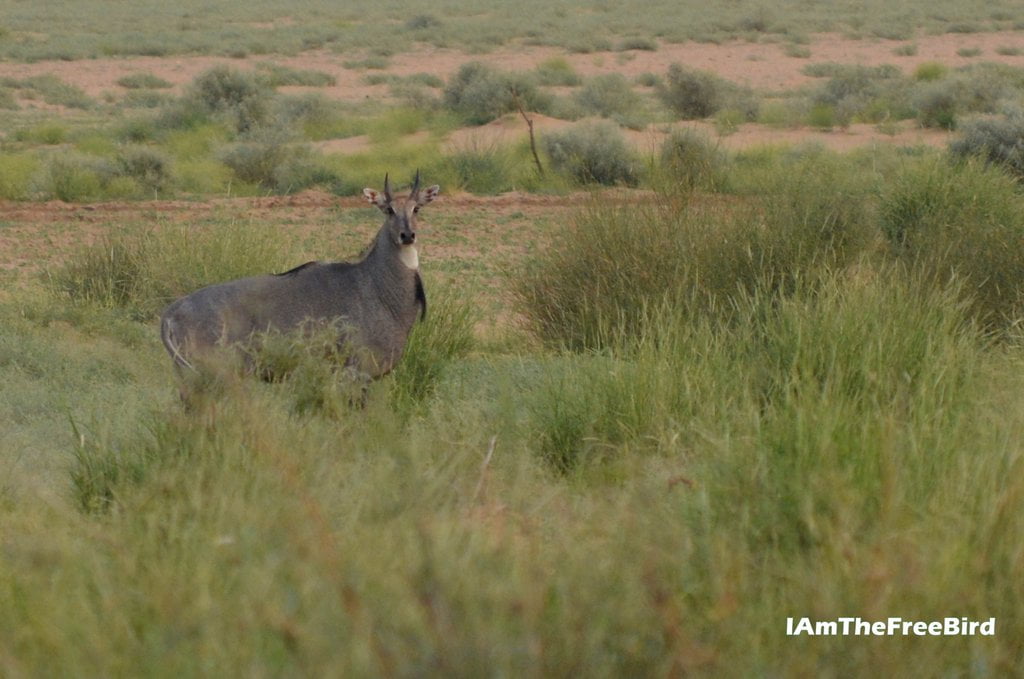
pixel 428 194
pixel 375 198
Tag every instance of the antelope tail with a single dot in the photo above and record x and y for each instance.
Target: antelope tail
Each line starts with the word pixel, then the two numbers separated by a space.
pixel 167 335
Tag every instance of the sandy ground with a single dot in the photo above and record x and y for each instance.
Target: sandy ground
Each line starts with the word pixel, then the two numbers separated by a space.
pixel 763 66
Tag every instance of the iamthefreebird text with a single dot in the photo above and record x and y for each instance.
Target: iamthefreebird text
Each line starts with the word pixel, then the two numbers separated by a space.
pixel 950 627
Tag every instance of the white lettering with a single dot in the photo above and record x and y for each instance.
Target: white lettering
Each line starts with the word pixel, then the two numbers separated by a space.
pixel 988 628
pixel 826 629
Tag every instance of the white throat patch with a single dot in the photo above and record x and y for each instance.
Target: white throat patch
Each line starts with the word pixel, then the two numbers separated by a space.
pixel 409 256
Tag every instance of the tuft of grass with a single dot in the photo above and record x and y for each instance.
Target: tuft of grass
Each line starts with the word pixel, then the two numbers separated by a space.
pixel 930 70
pixel 142 270
pixel 637 43
pixel 557 72
pixel 969 52
pixel 907 50
pixel 276 75
pixel 134 81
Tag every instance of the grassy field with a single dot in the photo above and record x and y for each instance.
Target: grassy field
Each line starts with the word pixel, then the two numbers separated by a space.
pixel 637 433
pixel 670 393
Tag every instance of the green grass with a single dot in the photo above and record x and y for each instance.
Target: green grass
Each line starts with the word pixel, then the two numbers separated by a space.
pixel 834 436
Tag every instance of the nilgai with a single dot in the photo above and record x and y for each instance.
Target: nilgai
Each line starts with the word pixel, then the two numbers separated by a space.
pixel 373 302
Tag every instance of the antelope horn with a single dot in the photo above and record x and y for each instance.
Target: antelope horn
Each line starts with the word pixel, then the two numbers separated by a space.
pixel 387 188
pixel 415 185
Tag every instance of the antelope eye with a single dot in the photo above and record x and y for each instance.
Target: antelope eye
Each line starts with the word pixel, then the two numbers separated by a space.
pixel 416 209
pixel 391 210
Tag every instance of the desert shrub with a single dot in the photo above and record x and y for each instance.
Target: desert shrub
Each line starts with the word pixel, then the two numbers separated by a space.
pixel 148 166
pixel 961 221
pixel 637 43
pixel 135 81
pixel 73 177
pixel 853 90
pixel 414 95
pixel 422 21
pixel 237 97
pixel 693 160
pixel 937 105
pixel 479 93
pixel 997 140
pixel 608 95
pixel 146 99
pixel 648 79
pixel 55 91
pixel 276 75
pixel 556 71
pixel 271 161
pixel 44 133
pixel 693 94
pixel 592 152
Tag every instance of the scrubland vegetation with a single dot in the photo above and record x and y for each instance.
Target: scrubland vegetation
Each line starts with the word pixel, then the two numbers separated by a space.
pixel 232 133
pixel 800 398
pixel 691 393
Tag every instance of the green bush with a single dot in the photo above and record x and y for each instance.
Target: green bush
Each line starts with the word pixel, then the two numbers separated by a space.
pixel 270 161
pixel 592 152
pixel 937 105
pixel 693 94
pixel 961 222
pixel 609 95
pixel 480 94
pixel 148 166
pixel 557 72
pixel 479 168
pixel 693 160
pixel 16 172
pixel 997 140
pixel 239 98
pixel 75 177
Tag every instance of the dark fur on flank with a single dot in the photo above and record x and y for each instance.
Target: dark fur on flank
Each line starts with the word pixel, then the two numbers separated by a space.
pixel 375 300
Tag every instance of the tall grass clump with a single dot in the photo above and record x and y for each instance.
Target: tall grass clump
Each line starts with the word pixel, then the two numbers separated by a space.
pixel 269 160
pixel 614 265
pixel 141 270
pixel 962 222
pixel 480 167
pixel 593 152
pixel 692 160
pixel 479 94
pixel 444 336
